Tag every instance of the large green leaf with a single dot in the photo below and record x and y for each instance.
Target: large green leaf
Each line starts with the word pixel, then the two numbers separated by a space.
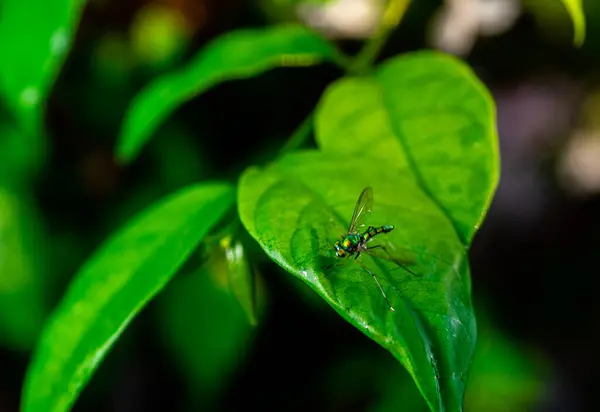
pixel 575 9
pixel 239 54
pixel 297 207
pixel 36 37
pixel 112 287
pixel 427 113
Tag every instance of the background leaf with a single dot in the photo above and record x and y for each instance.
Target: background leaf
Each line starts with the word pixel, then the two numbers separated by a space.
pixel 22 271
pixel 428 114
pixel 241 280
pixel 299 206
pixel 505 376
pixel 27 73
pixel 575 9
pixel 19 155
pixel 112 287
pixel 205 328
pixel 240 54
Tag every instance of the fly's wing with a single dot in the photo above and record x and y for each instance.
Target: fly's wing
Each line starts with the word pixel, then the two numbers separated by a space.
pixel 363 207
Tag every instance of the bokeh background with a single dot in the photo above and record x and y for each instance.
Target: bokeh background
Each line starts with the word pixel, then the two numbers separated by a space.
pixel 534 261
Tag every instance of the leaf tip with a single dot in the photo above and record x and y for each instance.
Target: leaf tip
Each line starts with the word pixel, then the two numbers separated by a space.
pixel 124 153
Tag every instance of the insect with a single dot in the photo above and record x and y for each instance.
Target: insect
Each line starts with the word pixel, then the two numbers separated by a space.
pixel 354 243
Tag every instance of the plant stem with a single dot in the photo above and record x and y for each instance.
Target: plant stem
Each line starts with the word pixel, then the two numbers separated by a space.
pixel 392 15
pixel 299 136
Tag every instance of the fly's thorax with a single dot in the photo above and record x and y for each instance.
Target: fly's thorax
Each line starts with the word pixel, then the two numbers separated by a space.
pixel 351 242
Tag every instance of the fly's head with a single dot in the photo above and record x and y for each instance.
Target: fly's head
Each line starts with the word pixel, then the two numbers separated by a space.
pixel 339 250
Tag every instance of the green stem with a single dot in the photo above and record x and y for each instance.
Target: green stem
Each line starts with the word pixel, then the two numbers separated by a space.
pixel 391 18
pixel 299 136
pixel 394 11
pixel 369 53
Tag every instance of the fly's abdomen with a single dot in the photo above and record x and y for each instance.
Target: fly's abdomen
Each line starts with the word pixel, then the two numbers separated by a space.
pixel 373 231
pixel 386 228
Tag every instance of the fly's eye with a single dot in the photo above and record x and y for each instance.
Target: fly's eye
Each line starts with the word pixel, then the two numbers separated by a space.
pixel 340 252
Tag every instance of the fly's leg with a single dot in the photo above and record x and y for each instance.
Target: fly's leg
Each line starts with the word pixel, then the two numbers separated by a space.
pixel 392 258
pixel 376 281
pixel 326 268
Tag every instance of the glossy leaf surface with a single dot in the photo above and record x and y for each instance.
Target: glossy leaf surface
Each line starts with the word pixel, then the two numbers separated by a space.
pixel 236 55
pixel 298 207
pixel 427 114
pixel 113 286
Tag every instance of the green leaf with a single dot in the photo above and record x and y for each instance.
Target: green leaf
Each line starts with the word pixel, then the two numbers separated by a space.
pixel 36 37
pixel 19 158
pixel 575 10
pixel 240 278
pixel 22 271
pixel 113 286
pixel 428 114
pixel 236 55
pixel 297 207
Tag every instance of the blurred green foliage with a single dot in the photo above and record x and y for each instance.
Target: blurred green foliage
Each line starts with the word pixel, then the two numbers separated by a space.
pixel 237 55
pixel 22 268
pixel 26 78
pixel 205 329
pixel 113 286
